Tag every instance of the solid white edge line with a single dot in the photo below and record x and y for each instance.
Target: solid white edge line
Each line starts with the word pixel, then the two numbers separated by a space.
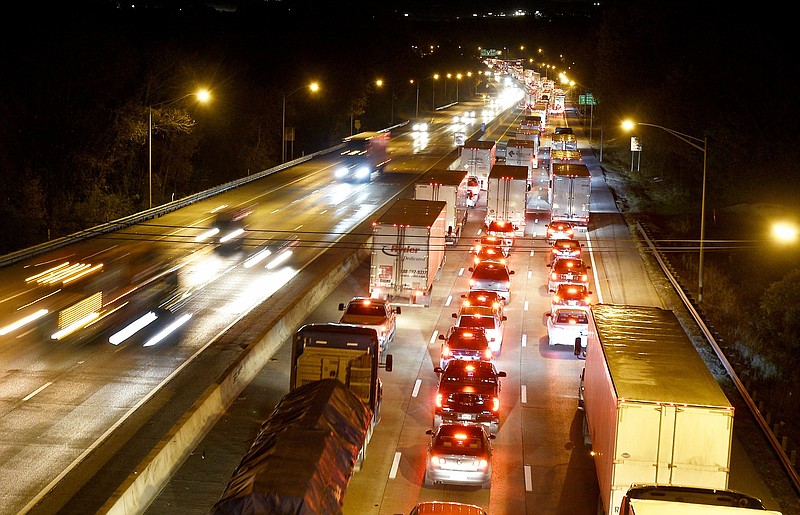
pixel 594 270
pixel 395 465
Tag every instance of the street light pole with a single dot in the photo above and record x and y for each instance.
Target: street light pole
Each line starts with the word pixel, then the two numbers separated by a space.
pixel 313 87
pixel 202 95
pixel 416 112
pixel 150 153
pixel 694 142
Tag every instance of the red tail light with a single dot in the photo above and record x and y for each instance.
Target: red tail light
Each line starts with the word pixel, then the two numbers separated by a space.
pixel 554 276
pixel 483 464
pixel 495 404
pixel 487 354
pixel 584 277
pixel 445 351
pixel 435 460
pixel 471 282
pixel 439 400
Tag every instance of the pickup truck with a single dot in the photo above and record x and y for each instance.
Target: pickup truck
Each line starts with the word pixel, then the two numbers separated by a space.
pixel 376 314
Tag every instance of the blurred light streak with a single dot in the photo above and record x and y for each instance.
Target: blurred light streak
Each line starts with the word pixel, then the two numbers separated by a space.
pixel 132 328
pixel 23 321
pixel 171 328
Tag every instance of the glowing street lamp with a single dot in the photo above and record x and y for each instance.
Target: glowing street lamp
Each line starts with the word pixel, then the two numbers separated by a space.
pixel 313 88
pixel 695 143
pixel 203 96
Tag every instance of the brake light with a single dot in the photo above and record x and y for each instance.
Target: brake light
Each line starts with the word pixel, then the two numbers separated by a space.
pixel 483 464
pixel 495 404
pixel 436 460
pixel 445 351
pixel 476 260
pixel 487 353
pixel 508 285
pixel 556 298
pixel 584 277
pixel 554 276
pixel 472 282
pixel 439 400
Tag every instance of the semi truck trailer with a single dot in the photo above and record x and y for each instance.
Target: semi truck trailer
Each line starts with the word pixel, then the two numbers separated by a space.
pixel 653 411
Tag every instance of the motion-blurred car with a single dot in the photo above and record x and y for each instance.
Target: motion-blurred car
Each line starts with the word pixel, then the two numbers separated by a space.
pixel 485 318
pixel 491 276
pixel 468 343
pixel 468 393
pixel 571 296
pixel 483 298
pixel 565 248
pixel 377 314
pixel 568 326
pixel 459 454
pixel 559 230
pixel 496 254
pixel 502 229
pixel 567 271
pixel 489 241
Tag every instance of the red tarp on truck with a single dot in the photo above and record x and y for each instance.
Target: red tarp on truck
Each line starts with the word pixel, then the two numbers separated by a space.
pixel 304 455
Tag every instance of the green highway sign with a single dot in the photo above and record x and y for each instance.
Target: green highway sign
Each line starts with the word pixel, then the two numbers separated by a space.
pixel 587 99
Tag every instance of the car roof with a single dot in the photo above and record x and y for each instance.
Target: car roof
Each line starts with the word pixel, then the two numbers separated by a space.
pixel 446 508
pixel 565 288
pixel 564 264
pixel 371 300
pixel 562 316
pixel 562 242
pixel 477 310
pixel 458 366
pixel 491 296
pixel 501 225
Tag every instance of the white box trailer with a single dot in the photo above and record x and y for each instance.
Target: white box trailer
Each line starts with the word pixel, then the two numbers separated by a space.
pixel 408 251
pixel 449 186
pixel 570 193
pixel 653 411
pixel 477 158
pixel 507 196
pixel 521 152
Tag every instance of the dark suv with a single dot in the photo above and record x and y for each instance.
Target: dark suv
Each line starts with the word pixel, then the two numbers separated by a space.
pixel 468 393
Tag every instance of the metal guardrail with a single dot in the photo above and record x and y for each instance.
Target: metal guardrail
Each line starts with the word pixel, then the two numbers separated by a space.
pixel 773 440
pixel 155 212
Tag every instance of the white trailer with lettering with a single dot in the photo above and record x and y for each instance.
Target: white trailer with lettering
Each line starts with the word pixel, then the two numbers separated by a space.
pixel 408 251
pixel 477 158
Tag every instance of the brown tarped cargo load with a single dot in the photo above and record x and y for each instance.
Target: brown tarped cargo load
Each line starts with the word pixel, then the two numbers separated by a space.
pixel 303 457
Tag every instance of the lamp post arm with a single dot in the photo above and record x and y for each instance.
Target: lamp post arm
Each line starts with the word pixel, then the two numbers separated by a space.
pixel 690 140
